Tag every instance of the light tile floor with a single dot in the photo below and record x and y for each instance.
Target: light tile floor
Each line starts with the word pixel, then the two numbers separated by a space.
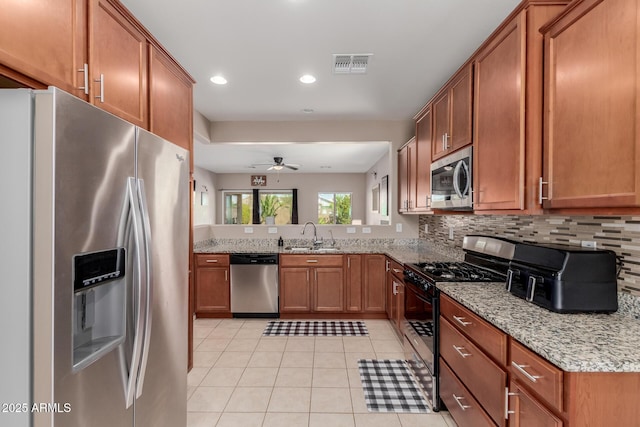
pixel 240 378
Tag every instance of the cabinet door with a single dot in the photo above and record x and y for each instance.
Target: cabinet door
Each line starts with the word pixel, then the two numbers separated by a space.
pixel 592 146
pixel 118 53
pixel 212 290
pixel 526 411
pixel 412 174
pixel 499 120
pixel 403 179
pixel 328 289
pixel 440 125
pixel 461 105
pixel 389 290
pixel 45 40
pixel 422 173
pixel 354 283
pixel 170 100
pixel 400 299
pixel 295 289
pixel 374 281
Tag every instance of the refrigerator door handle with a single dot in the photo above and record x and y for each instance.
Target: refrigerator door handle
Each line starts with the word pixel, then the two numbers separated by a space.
pixel 148 304
pixel 130 373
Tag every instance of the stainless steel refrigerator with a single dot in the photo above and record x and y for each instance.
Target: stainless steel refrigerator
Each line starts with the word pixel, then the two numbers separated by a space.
pixel 94 247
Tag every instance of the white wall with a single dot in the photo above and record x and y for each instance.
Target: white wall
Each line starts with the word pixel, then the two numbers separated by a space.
pixel 374 178
pixel 205 183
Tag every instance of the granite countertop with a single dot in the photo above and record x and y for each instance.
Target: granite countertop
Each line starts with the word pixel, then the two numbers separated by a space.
pixel 573 342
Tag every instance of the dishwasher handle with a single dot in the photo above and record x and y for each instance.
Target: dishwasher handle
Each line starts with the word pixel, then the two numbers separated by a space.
pixel 253 258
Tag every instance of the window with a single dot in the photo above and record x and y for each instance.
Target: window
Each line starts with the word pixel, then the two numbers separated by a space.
pixel 238 207
pixel 334 208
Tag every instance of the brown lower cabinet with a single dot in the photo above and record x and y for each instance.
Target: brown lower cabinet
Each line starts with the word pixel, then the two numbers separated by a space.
pixel 212 290
pixel 395 296
pixel 480 389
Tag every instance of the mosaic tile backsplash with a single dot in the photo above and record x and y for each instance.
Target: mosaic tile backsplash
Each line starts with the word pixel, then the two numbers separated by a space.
pixel 620 234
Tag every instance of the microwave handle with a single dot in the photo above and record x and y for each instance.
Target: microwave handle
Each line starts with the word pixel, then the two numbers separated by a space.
pixel 456 172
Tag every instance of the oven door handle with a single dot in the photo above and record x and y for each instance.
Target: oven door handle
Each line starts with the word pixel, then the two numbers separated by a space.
pixel 421 298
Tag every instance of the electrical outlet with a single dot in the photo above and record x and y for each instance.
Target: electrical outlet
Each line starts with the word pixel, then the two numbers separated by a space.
pixel 351 230
pixel 273 230
pixel 248 230
pixel 399 227
pixel 588 244
pixel 366 230
pixel 450 233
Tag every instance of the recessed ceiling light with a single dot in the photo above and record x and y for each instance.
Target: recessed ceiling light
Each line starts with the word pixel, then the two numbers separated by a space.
pixel 307 110
pixel 219 80
pixel 307 78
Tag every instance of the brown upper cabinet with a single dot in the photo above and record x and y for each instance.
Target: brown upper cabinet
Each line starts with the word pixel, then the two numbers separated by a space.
pixel 424 137
pixel 591 133
pixel 170 100
pixel 44 41
pixel 452 114
pixel 507 112
pixel 407 176
pixel 118 58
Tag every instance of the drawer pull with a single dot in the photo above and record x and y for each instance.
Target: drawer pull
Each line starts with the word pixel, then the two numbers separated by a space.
pixel 508 394
pixel 532 378
pixel 212 260
pixel 460 320
pixel 312 260
pixel 459 350
pixel 395 270
pixel 458 399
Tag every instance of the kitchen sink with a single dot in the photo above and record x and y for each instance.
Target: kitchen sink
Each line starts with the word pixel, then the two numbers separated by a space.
pixel 309 249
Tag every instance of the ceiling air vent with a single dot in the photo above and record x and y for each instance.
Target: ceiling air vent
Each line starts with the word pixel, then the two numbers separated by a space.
pixel 351 63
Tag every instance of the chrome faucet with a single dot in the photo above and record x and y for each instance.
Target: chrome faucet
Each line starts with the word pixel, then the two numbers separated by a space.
pixel 316 242
pixel 333 240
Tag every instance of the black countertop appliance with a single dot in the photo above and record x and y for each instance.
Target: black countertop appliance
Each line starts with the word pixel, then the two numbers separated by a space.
pixel 564 279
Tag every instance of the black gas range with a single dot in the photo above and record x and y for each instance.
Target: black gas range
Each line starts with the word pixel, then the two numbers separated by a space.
pixel 486 260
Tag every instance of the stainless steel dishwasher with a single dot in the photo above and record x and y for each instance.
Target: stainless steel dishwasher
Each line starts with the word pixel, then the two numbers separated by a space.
pixel 254 285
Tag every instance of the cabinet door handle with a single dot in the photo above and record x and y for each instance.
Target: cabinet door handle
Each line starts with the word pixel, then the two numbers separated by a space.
pixel 523 371
pixel 461 321
pixel 212 260
pixel 348 262
pixel 395 270
pixel 506 403
pixel 395 288
pixel 101 81
pixel 312 260
pixel 85 70
pixel 540 184
pixel 446 137
pixel 226 275
pixel 458 399
pixel 387 264
pixel 459 350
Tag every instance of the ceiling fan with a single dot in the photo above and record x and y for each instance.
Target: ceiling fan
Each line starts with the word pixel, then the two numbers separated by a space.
pixel 279 165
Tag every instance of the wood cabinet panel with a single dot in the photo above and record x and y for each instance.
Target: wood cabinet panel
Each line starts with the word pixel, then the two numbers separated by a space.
pixel 424 136
pixel 46 41
pixel 490 339
pixel 328 289
pixel 540 376
pixel 484 378
pixel 212 293
pixel 403 179
pixel 212 260
pixel 295 289
pixel 526 411
pixel 591 141
pixel 118 52
pixel 170 100
pixel 374 283
pixel 354 283
pixel 311 260
pixel 499 120
pixel 460 402
pixel 452 114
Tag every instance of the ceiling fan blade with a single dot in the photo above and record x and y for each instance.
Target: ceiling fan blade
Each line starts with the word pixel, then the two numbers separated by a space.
pixel 271 168
pixel 291 167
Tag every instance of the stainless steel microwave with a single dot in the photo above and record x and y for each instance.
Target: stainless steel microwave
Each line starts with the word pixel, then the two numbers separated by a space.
pixel 451 181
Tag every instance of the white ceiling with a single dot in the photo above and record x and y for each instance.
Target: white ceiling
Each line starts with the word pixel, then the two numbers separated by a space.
pixel 262 47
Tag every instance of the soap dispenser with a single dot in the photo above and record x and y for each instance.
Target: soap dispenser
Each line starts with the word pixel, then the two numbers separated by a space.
pixel 280 242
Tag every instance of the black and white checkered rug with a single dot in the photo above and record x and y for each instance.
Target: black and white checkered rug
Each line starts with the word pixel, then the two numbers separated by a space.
pixel 423 329
pixel 315 328
pixel 389 387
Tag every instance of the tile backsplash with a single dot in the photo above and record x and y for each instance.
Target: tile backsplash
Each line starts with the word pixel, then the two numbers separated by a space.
pixel 620 234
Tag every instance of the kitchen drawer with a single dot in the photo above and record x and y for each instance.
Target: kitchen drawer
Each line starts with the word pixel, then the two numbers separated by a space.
pixel 396 269
pixel 486 336
pixel 212 260
pixel 311 260
pixel 538 375
pixel 465 410
pixel 481 375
